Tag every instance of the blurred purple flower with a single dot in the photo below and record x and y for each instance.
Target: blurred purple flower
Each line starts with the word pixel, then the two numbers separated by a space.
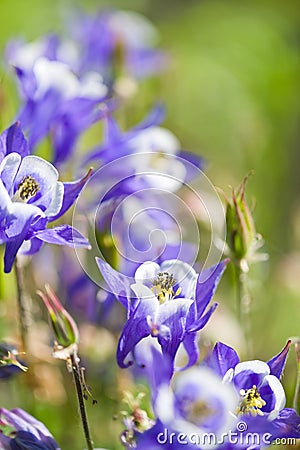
pixel 20 431
pixel 56 100
pixel 118 43
pixel 31 196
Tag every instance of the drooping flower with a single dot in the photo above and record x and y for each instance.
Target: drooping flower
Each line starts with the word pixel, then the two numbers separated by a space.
pixel 19 431
pixel 169 303
pixel 31 196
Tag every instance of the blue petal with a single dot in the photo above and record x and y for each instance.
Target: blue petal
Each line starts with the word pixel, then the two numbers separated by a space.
pixel 222 358
pixel 118 283
pixel 173 315
pixel 207 283
pixel 191 346
pixel 286 425
pixel 202 321
pixel 62 235
pixel 13 140
pixel 135 330
pixel 71 192
pixel 24 440
pixel 277 363
pixel 155 117
pixel 20 225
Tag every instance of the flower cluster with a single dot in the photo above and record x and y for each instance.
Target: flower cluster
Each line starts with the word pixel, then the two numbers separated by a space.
pixel 201 396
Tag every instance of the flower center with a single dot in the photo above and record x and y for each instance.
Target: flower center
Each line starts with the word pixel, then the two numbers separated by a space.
pixel 27 189
pixel 162 287
pixel 197 412
pixel 251 402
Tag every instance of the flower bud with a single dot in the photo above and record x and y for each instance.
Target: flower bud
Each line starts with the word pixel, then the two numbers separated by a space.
pixel 240 225
pixel 242 239
pixel 64 327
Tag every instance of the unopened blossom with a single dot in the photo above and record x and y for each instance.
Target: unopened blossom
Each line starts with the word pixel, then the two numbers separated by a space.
pixel 64 326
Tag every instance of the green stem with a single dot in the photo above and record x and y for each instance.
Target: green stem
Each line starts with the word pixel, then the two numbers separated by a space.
pixel 243 306
pixel 78 383
pixel 23 306
pixel 296 401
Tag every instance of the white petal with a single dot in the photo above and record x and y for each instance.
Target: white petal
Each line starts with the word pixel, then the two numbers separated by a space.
pixel 92 86
pixel 155 139
pixel 228 376
pixel 132 27
pixel 142 292
pixel 57 200
pixel 146 272
pixel 55 75
pixel 278 391
pixel 255 366
pixel 8 169
pixel 38 168
pixel 183 273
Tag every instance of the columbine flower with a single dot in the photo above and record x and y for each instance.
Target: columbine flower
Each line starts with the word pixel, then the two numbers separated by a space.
pixel 31 196
pixel 19 430
pixel 169 304
pixel 156 154
pixel 261 395
pixel 195 405
pixel 118 43
pixel 56 100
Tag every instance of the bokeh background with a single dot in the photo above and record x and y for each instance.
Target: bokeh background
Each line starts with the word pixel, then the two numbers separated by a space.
pixel 232 95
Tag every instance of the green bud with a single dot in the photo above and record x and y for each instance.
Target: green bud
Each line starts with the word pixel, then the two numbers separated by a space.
pixel 64 327
pixel 241 233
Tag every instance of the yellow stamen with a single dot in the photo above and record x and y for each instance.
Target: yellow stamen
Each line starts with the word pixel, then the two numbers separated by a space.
pixel 251 402
pixel 27 189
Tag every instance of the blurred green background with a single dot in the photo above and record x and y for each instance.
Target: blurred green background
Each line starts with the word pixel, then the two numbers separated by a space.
pixel 232 95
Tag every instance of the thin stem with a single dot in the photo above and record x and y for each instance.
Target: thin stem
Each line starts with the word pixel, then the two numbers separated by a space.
pixel 243 305
pixel 78 383
pixel 296 401
pixel 24 317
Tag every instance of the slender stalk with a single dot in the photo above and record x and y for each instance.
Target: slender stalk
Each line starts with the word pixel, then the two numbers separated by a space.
pixel 243 305
pixel 23 306
pixel 296 401
pixel 78 383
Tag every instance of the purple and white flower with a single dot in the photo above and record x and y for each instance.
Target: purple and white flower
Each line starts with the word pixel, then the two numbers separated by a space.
pixel 31 196
pixel 261 394
pixel 168 302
